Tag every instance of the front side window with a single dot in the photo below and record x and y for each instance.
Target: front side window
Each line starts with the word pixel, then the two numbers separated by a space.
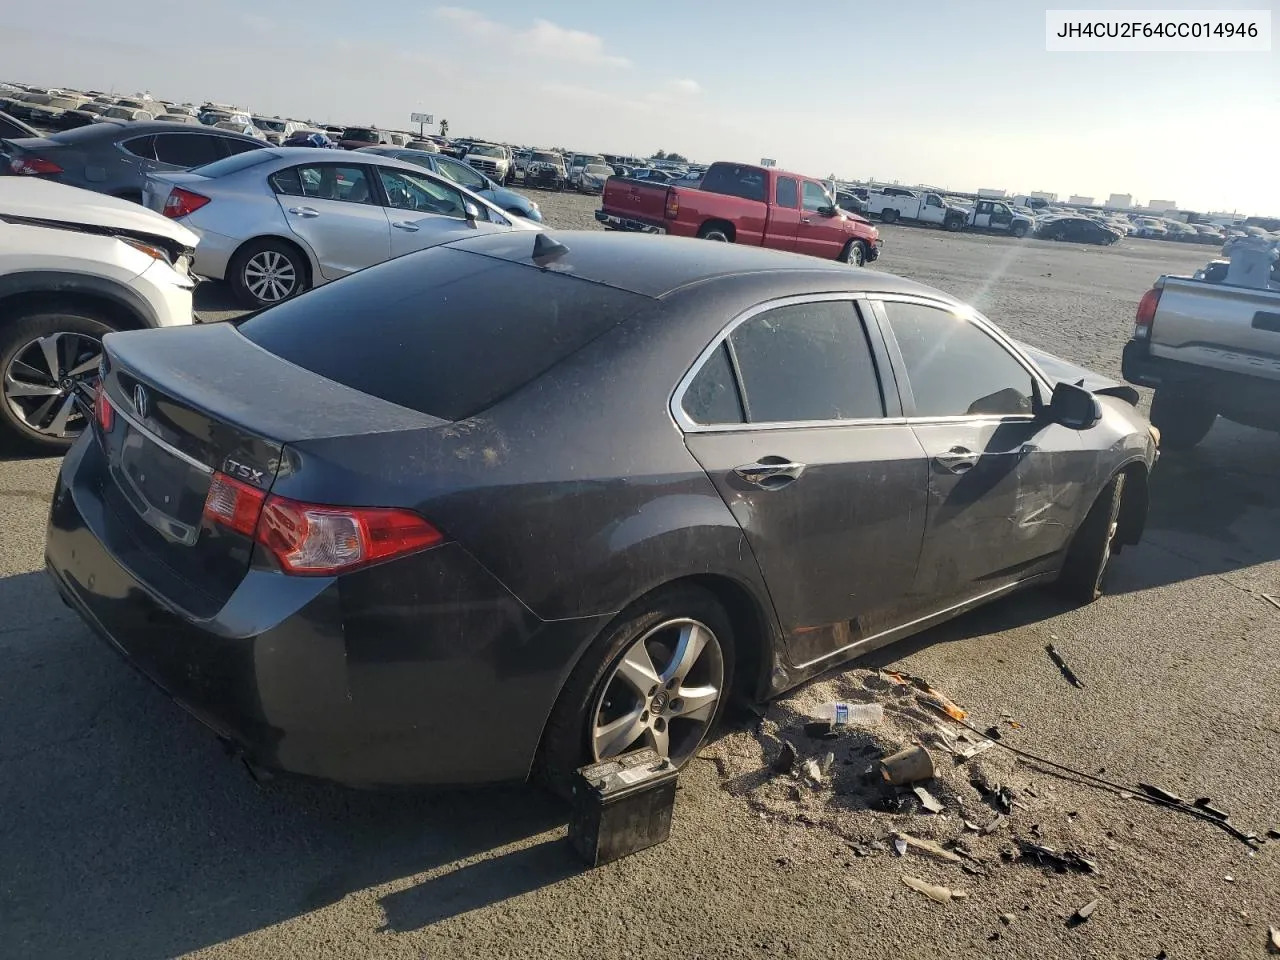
pixel 405 191
pixel 815 198
pixel 954 367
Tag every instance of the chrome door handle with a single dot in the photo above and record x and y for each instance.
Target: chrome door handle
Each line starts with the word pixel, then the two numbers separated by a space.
pixel 957 460
pixel 405 225
pixel 304 212
pixel 806 219
pixel 771 475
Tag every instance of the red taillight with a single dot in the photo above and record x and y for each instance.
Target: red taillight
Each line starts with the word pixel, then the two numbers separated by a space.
pixel 314 540
pixel 1146 313
pixel 234 504
pixel 181 203
pixel 673 204
pixel 33 166
pixel 103 412
pixel 318 540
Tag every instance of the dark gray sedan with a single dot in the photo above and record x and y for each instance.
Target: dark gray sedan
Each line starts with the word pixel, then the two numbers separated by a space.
pixel 524 501
pixel 115 157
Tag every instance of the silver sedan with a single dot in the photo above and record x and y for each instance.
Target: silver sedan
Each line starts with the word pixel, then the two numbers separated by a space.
pixel 276 221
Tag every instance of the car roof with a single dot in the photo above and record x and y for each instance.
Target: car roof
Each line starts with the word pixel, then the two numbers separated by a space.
pixel 658 266
pixel 138 128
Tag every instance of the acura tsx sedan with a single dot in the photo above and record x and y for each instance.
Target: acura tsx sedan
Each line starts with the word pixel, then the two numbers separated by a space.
pixel 524 501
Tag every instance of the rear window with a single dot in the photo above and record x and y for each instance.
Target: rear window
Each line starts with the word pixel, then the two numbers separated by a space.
pixel 359 133
pixel 234 164
pixel 443 332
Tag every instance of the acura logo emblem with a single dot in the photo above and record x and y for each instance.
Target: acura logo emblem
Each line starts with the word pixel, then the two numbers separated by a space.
pixel 141 402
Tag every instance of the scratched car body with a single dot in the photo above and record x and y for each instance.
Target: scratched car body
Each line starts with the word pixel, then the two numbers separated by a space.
pixel 522 501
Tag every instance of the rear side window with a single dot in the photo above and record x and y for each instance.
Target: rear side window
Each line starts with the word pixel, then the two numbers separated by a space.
pixel 187 149
pixel 443 332
pixel 144 147
pixel 712 396
pixel 733 180
pixel 807 361
pixel 788 195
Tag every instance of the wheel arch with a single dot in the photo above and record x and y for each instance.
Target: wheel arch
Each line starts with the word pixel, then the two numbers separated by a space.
pixel 715 223
pixel 20 292
pixel 1134 503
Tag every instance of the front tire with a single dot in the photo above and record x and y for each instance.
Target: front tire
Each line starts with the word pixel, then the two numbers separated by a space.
pixel 1183 420
pixel 266 272
pixel 854 254
pixel 48 358
pixel 1019 230
pixel 658 676
pixel 1090 551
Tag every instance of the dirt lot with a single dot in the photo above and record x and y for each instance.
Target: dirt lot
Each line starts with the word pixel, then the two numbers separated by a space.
pixel 126 833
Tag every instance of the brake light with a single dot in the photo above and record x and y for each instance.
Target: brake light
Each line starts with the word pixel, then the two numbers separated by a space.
pixel 33 166
pixel 181 203
pixel 673 205
pixel 103 412
pixel 308 539
pixel 1146 314
pixel 315 540
pixel 234 504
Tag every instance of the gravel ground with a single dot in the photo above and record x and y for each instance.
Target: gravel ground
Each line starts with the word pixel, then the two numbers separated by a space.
pixel 126 833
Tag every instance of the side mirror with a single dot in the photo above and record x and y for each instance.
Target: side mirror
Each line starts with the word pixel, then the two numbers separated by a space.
pixel 828 212
pixel 1072 406
pixel 472 212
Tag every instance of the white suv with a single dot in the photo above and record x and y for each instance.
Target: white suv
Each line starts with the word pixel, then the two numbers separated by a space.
pixel 74 266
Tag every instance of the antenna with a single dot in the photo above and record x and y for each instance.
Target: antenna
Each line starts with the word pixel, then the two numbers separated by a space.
pixel 546 249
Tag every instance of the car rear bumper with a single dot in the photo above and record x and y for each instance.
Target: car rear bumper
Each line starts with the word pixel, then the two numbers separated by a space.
pixel 424 670
pixel 1246 399
pixel 614 222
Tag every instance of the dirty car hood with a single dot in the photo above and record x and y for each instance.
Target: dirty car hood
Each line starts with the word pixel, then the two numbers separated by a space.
pixel 1058 370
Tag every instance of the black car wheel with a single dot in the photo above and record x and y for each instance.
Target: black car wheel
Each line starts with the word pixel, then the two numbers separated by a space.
pixel 888 216
pixel 49 367
pixel 267 272
pixel 657 677
pixel 1183 420
pixel 1019 230
pixel 1090 550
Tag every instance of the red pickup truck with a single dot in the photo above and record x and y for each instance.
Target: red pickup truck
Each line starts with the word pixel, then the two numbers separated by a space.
pixel 739 203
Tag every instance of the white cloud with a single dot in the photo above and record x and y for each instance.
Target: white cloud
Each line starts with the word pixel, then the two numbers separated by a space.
pixel 684 86
pixel 544 38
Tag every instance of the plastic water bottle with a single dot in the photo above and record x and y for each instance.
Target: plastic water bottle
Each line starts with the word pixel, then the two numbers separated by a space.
pixel 847 714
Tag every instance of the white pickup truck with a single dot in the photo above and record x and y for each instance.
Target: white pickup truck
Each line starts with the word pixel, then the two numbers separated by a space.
pixel 896 203
pixel 993 215
pixel 1210 348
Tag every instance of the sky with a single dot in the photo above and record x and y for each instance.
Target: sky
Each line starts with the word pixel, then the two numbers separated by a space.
pixel 959 96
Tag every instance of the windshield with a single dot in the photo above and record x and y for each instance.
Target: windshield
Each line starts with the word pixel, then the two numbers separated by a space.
pixel 275 126
pixel 541 157
pixel 119 113
pixel 136 104
pixel 486 150
pixel 65 103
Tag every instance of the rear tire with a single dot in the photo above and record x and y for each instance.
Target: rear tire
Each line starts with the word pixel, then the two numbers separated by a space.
pixel 954 224
pixel 1183 421
pixel 33 420
pixel 266 272
pixel 713 232
pixel 1090 550
pixel 888 216
pixel 571 737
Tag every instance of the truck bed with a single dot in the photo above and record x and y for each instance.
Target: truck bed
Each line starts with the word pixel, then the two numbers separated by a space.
pixel 1213 325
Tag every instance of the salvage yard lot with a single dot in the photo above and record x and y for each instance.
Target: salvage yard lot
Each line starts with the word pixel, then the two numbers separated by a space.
pixel 125 832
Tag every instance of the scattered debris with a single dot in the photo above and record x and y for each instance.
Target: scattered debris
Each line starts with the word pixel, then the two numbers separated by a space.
pixel 932 891
pixel 1205 804
pixel 820 730
pixel 971 869
pixel 993 826
pixel 928 846
pixel 907 766
pixel 816 771
pixel 1274 601
pixel 973 749
pixel 970 825
pixel 1013 723
pixel 1229 878
pixel 993 732
pixel 900 846
pixel 1160 793
pixel 942 704
pixel 1006 918
pixel 927 800
pixel 786 760
pixel 1083 914
pixel 1273 834
pixel 1059 861
pixel 1273 933
pixel 1063 666
pixel 860 851
pixel 1004 799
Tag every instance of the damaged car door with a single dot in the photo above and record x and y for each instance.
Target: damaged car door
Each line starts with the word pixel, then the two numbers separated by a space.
pixel 786 413
pixel 1004 483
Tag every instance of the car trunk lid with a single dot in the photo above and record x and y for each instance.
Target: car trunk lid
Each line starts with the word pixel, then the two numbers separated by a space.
pixel 635 199
pixel 190 404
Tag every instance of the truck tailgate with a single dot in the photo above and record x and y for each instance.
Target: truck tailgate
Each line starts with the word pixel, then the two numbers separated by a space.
pixel 635 199
pixel 1236 329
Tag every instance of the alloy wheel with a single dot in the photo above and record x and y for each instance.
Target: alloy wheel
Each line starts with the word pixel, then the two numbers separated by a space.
pixel 44 378
pixel 663 693
pixel 270 276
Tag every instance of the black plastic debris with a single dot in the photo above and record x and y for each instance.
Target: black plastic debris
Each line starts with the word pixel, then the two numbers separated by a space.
pixel 1004 799
pixel 786 759
pixel 1273 834
pixel 1161 794
pixel 1206 804
pixel 992 732
pixel 1060 861
pixel 1063 666
pixel 820 730
pixel 621 806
